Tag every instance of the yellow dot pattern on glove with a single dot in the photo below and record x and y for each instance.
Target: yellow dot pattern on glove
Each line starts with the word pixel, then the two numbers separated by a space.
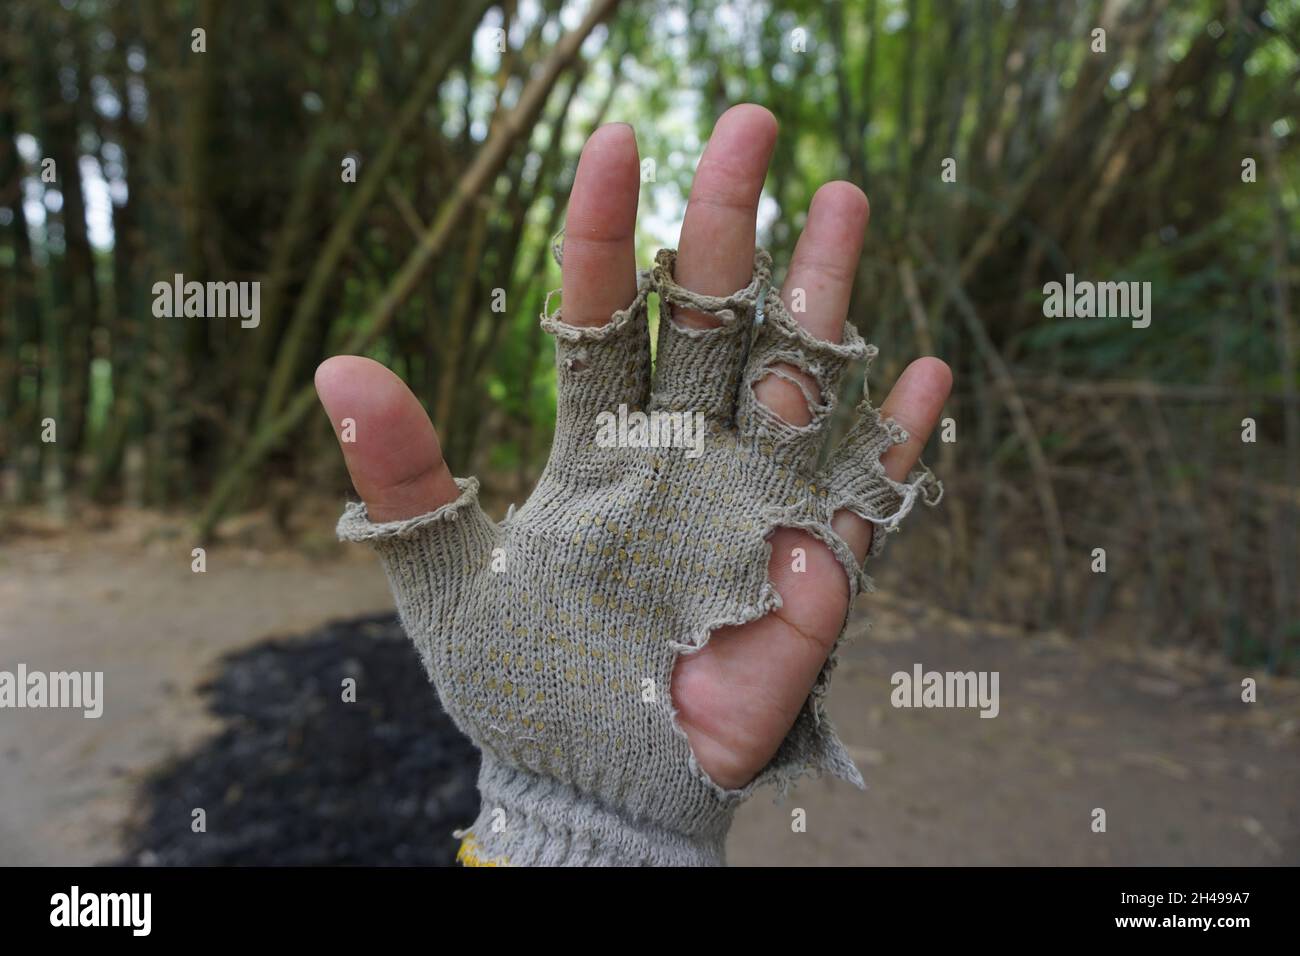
pixel 470 855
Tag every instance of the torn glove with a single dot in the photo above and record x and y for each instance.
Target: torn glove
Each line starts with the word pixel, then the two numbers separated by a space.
pixel 551 637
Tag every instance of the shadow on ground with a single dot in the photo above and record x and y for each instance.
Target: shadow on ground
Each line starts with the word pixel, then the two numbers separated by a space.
pixel 299 777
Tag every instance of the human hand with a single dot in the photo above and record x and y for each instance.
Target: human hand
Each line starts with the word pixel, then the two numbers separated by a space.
pixel 738 696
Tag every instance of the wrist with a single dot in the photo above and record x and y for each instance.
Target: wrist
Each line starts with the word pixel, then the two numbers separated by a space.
pixel 530 820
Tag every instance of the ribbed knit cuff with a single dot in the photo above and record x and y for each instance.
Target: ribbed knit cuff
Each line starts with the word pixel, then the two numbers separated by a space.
pixel 430 559
pixel 447 532
pixel 528 820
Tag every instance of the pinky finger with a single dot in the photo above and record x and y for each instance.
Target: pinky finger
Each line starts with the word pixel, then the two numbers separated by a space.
pixel 916 402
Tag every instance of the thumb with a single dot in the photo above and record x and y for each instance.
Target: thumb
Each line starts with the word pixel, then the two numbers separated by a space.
pixel 388 442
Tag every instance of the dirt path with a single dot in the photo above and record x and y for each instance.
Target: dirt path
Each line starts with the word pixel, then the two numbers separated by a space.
pixel 128 603
pixel 1186 772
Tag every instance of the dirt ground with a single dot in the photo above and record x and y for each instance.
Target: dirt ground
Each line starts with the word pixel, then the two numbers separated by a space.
pixel 1160 739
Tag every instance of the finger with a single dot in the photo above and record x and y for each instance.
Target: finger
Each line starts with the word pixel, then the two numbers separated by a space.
pixel 916 403
pixel 822 271
pixel 716 249
pixel 393 456
pixel 600 228
pixel 826 257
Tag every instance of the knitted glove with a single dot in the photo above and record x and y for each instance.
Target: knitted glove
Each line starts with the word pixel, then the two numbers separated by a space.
pixel 551 637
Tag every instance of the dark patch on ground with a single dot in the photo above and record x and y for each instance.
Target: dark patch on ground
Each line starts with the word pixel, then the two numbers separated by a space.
pixel 298 777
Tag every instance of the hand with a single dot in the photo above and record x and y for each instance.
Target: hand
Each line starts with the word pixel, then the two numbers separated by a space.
pixel 738 697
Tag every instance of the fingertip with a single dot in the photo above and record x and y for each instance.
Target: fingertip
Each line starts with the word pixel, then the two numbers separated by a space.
pixel 326 371
pixel 758 120
pixel 614 142
pixel 617 131
pixel 608 168
pixel 331 375
pixel 354 381
pixel 928 378
pixel 845 197
pixel 333 370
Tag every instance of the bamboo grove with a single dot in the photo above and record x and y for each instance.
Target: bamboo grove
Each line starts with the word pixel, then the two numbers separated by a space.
pixel 1001 150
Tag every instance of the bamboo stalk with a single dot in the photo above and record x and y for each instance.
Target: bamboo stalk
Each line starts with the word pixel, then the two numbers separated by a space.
pixel 340 238
pixel 493 154
pixel 1023 424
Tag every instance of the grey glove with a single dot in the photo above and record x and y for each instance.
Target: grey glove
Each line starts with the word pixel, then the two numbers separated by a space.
pixel 551 637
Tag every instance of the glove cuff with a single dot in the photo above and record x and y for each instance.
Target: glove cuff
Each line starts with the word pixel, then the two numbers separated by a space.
pixel 530 820
pixel 461 519
pixel 431 560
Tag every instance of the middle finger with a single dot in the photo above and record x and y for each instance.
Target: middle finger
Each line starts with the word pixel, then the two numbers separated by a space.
pixel 716 250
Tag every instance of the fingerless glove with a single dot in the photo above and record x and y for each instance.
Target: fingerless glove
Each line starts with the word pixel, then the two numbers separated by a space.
pixel 551 637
